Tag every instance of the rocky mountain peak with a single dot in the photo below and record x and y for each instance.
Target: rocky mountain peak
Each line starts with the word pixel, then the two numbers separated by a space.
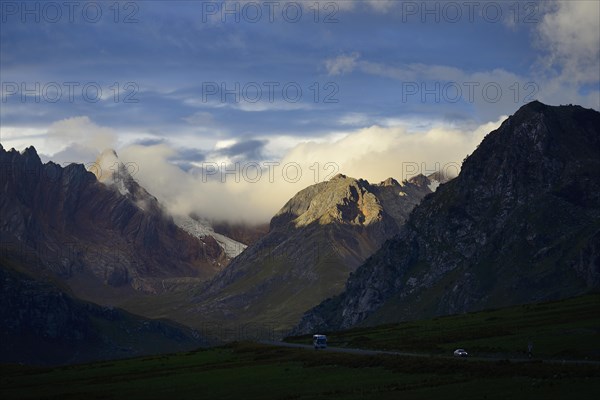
pixel 519 224
pixel 390 182
pixel 530 153
pixel 419 180
pixel 534 105
pixel 108 168
pixel 28 157
pixel 342 199
pixel 31 155
pixel 442 176
pixel 111 171
pixel 347 200
pixel 315 241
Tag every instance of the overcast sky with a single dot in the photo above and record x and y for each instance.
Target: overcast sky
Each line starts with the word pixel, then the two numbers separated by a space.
pixel 200 83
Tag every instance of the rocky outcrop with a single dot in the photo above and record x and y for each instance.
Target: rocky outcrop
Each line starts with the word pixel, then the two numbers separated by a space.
pixel 519 224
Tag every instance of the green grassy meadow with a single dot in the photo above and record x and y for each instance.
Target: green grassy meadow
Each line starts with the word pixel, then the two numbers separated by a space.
pixel 246 370
pixel 566 329
pixel 254 371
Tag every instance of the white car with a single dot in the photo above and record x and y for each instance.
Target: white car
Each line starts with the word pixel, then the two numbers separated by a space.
pixel 461 353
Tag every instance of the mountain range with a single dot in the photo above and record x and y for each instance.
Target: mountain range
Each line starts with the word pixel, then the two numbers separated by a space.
pixel 100 231
pixel 68 234
pixel 520 224
pixel 109 241
pixel 314 242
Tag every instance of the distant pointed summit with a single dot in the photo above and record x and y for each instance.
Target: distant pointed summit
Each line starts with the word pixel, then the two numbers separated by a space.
pixel 111 171
pixel 389 182
pixel 419 180
pixel 108 166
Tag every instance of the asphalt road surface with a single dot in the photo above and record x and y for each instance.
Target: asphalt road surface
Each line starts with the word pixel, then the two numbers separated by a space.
pixel 367 352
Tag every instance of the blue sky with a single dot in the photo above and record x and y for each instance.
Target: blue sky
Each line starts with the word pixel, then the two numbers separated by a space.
pixel 383 64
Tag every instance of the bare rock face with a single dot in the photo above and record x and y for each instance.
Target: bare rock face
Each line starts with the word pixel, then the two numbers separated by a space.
pixel 65 222
pixel 314 242
pixel 519 224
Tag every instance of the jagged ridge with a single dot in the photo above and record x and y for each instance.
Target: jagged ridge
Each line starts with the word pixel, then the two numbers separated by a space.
pixel 521 223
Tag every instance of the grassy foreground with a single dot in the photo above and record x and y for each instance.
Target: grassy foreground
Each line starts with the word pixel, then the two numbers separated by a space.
pixel 253 371
pixel 566 329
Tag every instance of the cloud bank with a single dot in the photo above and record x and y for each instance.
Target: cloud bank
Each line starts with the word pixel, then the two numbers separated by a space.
pixel 253 190
pixel 570 33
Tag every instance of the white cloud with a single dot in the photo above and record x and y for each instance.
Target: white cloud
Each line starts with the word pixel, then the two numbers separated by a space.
pixel 492 93
pixel 293 102
pixel 201 118
pixel 376 153
pixel 567 71
pixel 373 153
pixel 341 64
pixel 570 34
pixel 497 91
pixel 382 6
pixel 21 137
pixel 80 130
pixel 75 139
pixel 279 105
pixel 223 144
pixel 569 37
pixel 73 153
pixel 354 119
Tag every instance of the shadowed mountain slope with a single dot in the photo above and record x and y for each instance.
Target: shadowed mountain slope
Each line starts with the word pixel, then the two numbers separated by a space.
pixel 521 223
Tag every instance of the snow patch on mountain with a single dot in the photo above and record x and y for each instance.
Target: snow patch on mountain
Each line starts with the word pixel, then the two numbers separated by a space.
pixel 112 172
pixel 433 185
pixel 200 230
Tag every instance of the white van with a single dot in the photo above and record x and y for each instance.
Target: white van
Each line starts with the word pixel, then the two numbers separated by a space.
pixel 320 341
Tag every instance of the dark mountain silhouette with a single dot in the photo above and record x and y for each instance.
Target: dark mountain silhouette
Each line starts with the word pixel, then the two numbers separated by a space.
pixel 521 223
pixel 43 324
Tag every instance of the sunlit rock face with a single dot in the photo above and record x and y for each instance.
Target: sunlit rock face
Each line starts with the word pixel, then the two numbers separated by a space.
pixel 315 241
